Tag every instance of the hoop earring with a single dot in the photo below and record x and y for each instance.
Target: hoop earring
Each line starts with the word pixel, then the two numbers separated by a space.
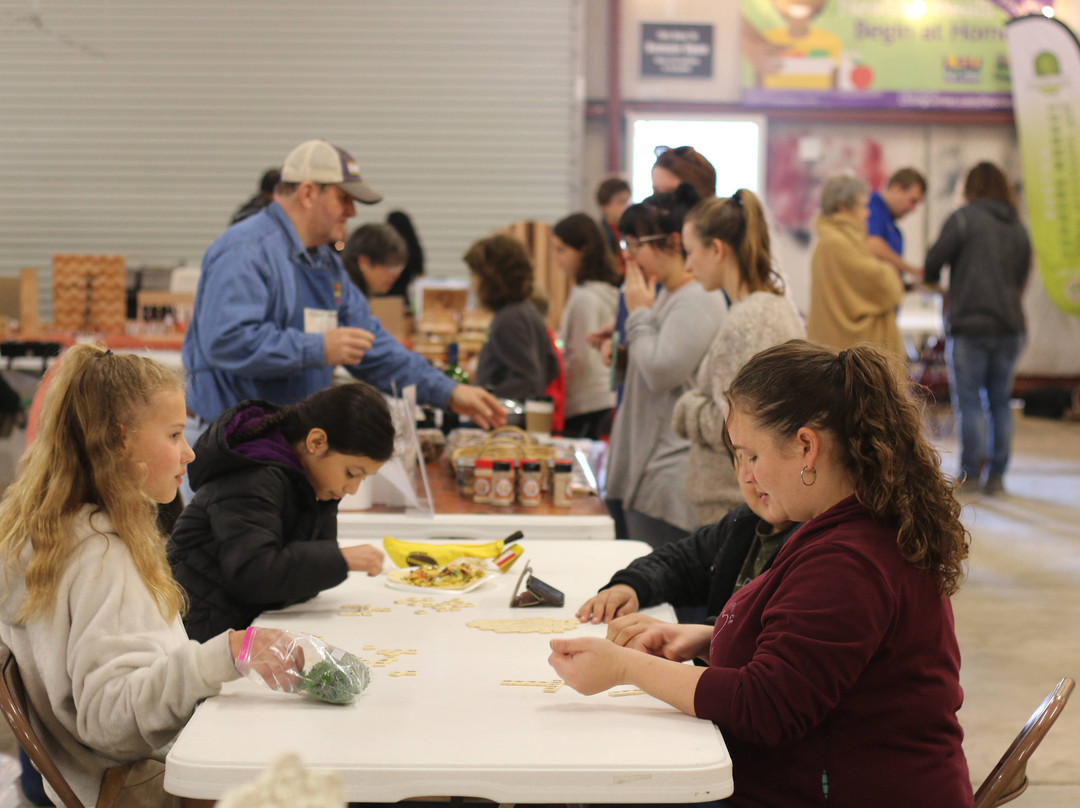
pixel 803 479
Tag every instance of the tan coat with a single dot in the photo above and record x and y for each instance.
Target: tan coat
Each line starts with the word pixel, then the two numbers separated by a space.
pixel 853 295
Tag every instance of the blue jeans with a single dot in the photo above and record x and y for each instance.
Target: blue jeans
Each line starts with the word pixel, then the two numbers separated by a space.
pixel 981 370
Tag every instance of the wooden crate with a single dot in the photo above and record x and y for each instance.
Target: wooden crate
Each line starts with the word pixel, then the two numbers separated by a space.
pixel 89 293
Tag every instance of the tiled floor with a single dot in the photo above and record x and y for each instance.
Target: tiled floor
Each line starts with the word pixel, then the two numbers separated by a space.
pixel 1018 615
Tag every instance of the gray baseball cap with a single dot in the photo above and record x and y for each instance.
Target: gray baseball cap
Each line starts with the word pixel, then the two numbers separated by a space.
pixel 324 163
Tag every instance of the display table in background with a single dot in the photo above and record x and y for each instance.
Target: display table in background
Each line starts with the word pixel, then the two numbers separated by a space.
pixel 456 516
pixel 445 724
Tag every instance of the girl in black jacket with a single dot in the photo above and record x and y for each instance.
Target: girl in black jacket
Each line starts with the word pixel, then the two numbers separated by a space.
pixel 261 530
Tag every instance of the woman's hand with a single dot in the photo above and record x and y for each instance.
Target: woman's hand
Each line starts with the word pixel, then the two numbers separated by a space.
pixel 623 629
pixel 609 604
pixel 638 291
pixel 598 338
pixel 364 558
pixel 588 664
pixel 269 652
pixel 676 641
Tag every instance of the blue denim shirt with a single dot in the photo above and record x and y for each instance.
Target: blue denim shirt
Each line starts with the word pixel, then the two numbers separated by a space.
pixel 882 225
pixel 246 338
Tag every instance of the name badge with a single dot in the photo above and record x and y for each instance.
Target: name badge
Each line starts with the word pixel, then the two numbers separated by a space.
pixel 319 321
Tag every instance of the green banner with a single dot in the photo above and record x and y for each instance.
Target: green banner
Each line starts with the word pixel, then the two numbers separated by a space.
pixel 875 53
pixel 1046 100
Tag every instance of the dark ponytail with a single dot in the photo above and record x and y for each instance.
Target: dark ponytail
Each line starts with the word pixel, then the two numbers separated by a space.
pixel 660 215
pixel 353 415
pixel 856 396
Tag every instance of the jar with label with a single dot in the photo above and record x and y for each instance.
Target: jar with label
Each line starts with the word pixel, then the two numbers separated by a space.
pixel 529 483
pixel 502 483
pixel 560 485
pixel 465 470
pixel 482 478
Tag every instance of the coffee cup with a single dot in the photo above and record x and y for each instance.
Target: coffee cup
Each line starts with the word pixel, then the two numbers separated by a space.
pixel 538 414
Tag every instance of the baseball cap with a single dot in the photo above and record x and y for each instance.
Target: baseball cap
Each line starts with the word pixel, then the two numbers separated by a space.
pixel 324 163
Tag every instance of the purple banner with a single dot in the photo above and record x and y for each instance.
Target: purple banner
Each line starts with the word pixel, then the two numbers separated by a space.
pixel 837 99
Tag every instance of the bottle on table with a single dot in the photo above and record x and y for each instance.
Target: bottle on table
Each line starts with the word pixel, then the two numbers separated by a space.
pixel 453 369
pixel 529 483
pixel 560 484
pixel 502 483
pixel 482 479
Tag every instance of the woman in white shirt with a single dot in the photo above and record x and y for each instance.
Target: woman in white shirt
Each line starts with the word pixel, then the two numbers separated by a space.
pixel 580 250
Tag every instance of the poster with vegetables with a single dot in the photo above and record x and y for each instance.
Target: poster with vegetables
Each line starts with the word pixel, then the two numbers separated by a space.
pixel 922 54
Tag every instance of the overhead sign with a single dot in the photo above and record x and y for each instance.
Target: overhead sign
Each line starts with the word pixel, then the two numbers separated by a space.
pixel 1046 100
pixel 932 54
pixel 677 51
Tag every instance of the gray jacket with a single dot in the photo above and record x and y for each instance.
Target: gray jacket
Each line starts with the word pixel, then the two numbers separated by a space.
pixel 989 255
pixel 647 465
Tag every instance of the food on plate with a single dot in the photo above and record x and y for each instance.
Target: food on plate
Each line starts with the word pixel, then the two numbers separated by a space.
pixel 455 575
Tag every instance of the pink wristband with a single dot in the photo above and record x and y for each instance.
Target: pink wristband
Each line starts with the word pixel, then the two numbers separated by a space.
pixel 245 646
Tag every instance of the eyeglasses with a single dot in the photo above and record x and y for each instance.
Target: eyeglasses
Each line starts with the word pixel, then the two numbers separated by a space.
pixel 678 151
pixel 632 245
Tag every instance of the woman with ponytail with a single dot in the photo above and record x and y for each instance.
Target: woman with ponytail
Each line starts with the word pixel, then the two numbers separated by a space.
pixel 835 675
pixel 727 247
pixel 261 530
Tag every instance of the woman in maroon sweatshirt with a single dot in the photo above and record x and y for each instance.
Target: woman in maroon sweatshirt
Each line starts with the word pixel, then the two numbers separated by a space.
pixel 835 675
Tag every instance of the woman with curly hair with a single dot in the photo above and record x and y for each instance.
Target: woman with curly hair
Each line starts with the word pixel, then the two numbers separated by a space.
pixel 518 361
pixel 835 675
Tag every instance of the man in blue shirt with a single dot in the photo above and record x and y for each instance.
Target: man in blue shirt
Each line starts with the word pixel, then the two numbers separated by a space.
pixel 275 310
pixel 903 192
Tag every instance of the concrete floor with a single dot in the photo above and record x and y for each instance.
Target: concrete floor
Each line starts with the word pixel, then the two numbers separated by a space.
pixel 1018 614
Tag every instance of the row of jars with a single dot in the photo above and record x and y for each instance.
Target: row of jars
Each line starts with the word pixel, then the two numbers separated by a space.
pixel 500 482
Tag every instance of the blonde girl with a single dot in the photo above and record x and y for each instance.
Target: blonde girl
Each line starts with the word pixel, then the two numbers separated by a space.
pixel 727 247
pixel 89 607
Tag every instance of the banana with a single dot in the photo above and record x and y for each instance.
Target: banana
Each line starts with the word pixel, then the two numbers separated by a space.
pixel 415 553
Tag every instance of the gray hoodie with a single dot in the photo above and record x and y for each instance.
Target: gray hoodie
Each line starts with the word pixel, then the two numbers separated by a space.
pixel 989 254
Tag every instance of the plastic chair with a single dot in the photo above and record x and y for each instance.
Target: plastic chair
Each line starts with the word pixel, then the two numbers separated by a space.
pixel 13 703
pixel 1008 779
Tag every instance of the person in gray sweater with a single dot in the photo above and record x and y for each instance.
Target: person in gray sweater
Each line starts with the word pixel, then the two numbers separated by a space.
pixel 727 247
pixel 989 255
pixel 518 360
pixel 668 334
pixel 580 250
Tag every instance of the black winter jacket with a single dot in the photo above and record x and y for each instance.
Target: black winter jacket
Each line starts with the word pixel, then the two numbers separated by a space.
pixel 254 537
pixel 700 570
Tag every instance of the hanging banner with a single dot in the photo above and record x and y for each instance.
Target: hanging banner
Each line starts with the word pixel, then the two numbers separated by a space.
pixel 1046 101
pixel 921 54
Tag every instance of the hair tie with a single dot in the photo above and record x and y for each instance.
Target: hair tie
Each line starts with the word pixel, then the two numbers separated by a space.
pixel 108 352
pixel 842 356
pixel 737 198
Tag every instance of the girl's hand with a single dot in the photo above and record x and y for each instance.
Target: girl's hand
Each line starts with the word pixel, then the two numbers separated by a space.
pixel 676 641
pixel 597 338
pixel 588 664
pixel 609 604
pixel 639 291
pixel 623 629
pixel 363 558
pixel 270 653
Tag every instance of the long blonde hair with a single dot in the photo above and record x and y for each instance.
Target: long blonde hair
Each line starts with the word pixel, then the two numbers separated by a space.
pixel 95 399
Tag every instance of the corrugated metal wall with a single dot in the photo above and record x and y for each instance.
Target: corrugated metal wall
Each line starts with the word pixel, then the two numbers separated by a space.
pixel 138 126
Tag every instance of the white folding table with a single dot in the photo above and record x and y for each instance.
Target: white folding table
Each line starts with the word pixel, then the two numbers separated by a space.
pixel 453 728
